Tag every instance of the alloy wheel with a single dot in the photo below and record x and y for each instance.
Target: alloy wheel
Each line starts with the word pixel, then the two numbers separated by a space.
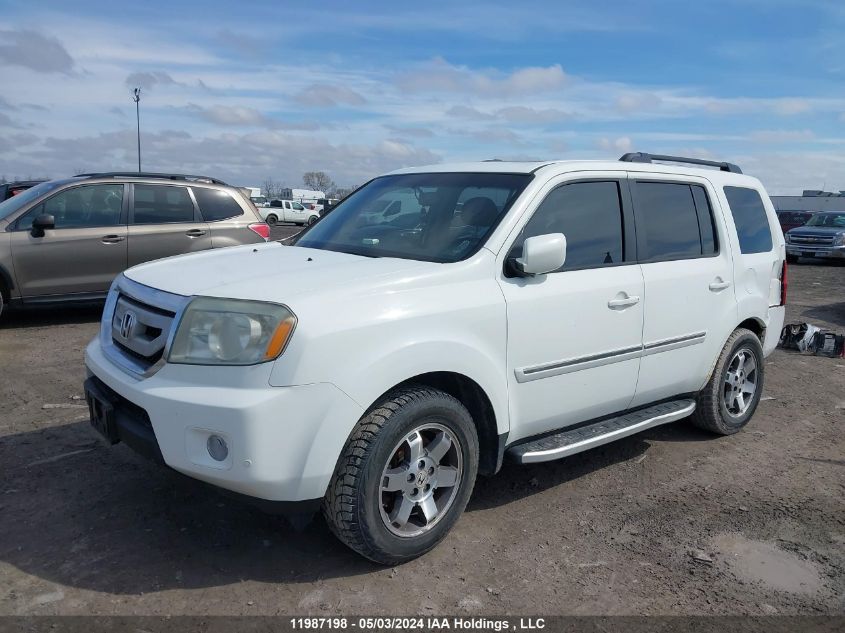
pixel 740 383
pixel 420 480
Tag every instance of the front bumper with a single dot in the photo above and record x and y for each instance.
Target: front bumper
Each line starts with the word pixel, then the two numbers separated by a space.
pixel 804 250
pixel 283 442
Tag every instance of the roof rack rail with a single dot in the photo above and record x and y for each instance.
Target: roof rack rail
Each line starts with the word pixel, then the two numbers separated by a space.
pixel 642 157
pixel 149 174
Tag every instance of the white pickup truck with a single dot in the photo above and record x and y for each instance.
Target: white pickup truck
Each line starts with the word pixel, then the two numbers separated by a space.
pixel 288 211
pixel 522 311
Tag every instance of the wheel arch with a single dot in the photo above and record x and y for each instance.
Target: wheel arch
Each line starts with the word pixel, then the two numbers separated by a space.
pixel 469 393
pixel 756 325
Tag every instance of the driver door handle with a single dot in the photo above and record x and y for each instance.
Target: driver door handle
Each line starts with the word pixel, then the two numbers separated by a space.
pixel 195 233
pixel 112 239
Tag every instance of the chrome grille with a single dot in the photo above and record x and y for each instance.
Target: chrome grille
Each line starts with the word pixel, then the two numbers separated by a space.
pixel 137 326
pixel 811 239
pixel 140 329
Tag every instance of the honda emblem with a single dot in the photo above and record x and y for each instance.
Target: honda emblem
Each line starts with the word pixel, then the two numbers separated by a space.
pixel 127 324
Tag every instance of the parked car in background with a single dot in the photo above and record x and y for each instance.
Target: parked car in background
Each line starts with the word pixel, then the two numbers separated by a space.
pixel 9 189
pixel 791 219
pixel 822 236
pixel 288 211
pixel 65 240
pixel 375 369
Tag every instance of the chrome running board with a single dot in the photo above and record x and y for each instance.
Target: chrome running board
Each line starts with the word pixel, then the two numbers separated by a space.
pixel 569 442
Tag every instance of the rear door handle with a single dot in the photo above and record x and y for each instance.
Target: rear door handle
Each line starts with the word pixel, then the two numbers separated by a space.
pixel 112 239
pixel 717 284
pixel 615 304
pixel 195 233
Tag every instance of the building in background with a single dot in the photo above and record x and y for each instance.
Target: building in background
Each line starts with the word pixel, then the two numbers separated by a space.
pixel 811 200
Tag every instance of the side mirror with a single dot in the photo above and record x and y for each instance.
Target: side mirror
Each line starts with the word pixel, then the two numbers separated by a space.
pixel 41 223
pixel 541 254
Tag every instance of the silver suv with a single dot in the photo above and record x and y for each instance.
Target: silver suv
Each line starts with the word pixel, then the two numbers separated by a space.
pixel 65 240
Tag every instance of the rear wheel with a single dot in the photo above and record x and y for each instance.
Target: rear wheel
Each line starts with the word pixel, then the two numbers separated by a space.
pixel 272 219
pixel 729 399
pixel 312 219
pixel 404 477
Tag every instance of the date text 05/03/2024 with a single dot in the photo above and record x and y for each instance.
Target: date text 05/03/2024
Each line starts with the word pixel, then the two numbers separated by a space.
pixel 412 623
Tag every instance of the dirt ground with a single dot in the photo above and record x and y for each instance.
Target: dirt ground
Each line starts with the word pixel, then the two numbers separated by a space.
pixel 672 521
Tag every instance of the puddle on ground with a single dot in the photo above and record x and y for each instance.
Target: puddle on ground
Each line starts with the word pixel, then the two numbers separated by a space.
pixel 764 562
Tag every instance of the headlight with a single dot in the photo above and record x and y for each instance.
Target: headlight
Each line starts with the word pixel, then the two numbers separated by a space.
pixel 839 240
pixel 231 332
pixel 788 239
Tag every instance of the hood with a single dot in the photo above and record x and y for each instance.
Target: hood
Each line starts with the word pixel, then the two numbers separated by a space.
pixel 816 230
pixel 268 272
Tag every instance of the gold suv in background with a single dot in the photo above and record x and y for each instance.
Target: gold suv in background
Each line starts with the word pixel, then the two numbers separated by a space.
pixel 65 240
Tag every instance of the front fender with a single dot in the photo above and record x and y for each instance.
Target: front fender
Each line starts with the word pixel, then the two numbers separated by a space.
pixel 382 373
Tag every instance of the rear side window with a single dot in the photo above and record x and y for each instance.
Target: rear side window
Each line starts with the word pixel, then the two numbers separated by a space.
pixel 162 204
pixel 674 221
pixel 589 214
pixel 752 223
pixel 216 204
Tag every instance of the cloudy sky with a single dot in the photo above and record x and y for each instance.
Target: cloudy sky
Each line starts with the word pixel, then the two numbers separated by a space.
pixel 251 90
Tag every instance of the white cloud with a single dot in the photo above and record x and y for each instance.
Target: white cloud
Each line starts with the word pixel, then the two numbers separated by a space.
pixel 781 136
pixel 329 96
pixel 233 116
pixel 619 144
pixel 441 76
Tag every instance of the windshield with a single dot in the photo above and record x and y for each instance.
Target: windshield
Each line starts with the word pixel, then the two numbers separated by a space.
pixel 19 201
pixel 827 219
pixel 431 217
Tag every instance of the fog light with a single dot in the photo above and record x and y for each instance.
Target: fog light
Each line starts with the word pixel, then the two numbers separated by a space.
pixel 217 448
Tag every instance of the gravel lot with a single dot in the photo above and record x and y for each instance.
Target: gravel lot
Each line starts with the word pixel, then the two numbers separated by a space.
pixel 673 521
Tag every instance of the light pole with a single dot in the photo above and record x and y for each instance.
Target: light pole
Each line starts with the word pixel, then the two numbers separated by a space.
pixel 137 97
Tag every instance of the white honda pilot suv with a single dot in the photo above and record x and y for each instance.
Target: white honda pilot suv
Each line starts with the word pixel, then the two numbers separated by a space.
pixel 377 365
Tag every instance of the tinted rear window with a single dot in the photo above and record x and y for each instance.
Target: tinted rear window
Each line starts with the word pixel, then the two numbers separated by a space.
pixel 668 226
pixel 216 204
pixel 752 223
pixel 162 204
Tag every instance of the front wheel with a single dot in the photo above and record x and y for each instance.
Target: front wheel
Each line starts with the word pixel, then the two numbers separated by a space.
pixel 732 394
pixel 404 477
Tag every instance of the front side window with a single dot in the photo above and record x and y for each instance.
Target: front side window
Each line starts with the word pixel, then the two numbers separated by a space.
pixel 162 204
pixel 80 207
pixel 298 207
pixel 440 217
pixel 216 204
pixel 589 214
pixel 752 223
pixel 668 224
pixel 16 203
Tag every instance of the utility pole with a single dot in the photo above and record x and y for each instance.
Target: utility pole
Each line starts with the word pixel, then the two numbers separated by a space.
pixel 137 97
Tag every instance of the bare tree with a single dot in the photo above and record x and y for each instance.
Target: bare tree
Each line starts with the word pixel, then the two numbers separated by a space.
pixel 270 189
pixel 318 180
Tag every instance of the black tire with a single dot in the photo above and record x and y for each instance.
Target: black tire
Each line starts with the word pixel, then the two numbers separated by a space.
pixel 353 503
pixel 311 220
pixel 712 413
pixel 272 219
pixel 792 259
pixel 2 298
